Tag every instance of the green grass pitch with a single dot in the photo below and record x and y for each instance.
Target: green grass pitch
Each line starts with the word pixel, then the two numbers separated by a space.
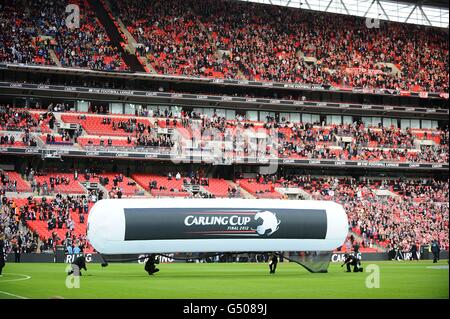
pixel 406 279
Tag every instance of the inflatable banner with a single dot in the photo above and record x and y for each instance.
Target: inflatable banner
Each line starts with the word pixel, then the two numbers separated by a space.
pixel 136 226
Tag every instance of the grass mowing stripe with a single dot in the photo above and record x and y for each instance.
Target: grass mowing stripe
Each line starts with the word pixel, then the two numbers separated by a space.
pixel 232 280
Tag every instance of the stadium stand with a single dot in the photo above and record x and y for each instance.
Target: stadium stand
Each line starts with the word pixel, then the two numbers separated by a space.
pixel 112 182
pixel 46 198
pixel 160 186
pixel 59 183
pixel 12 181
pixel 194 38
pixel 109 126
pixel 303 46
pixel 285 140
pixel 56 220
pixel 18 237
pixel 415 211
pixel 397 220
pixel 86 46
pixel 260 188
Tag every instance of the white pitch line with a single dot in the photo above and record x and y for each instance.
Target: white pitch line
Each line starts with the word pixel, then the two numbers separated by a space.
pixel 12 295
pixel 25 277
pixel 438 267
pixel 404 266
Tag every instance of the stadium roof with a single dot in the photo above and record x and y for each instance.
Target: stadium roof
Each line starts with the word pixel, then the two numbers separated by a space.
pixel 432 3
pixel 423 12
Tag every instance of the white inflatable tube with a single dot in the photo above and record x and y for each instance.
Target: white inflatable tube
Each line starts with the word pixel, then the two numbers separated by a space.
pixel 170 225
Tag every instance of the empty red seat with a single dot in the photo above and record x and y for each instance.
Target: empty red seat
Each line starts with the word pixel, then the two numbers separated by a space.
pixel 74 187
pixel 258 189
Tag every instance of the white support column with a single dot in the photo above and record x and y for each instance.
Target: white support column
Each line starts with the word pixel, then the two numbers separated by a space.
pixel 425 15
pixel 382 9
pixel 409 15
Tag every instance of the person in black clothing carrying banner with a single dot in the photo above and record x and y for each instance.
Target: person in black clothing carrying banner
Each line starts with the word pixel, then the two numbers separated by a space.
pixel 435 249
pixel 2 254
pixel 150 267
pixel 413 252
pixel 273 264
pixel 78 264
pixel 354 261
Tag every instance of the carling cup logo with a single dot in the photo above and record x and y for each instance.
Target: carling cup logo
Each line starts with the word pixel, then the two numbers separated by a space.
pixel 270 223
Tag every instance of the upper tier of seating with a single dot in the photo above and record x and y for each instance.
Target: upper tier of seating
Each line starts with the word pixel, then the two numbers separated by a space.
pixel 232 39
pixel 36 32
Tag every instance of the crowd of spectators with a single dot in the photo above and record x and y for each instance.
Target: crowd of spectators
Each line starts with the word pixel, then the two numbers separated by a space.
pixel 26 140
pixel 305 140
pixel 14 119
pixel 146 135
pixel 56 212
pixel 384 137
pixel 32 29
pixel 7 184
pixel 129 126
pixel 317 140
pixel 304 137
pixel 415 213
pixel 388 144
pixel 18 239
pixel 44 188
pixel 383 212
pixel 229 39
pixel 173 38
pixel 20 41
pixel 324 141
pixel 154 140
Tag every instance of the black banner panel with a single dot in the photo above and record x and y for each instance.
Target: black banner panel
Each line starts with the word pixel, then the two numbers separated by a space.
pixel 207 223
